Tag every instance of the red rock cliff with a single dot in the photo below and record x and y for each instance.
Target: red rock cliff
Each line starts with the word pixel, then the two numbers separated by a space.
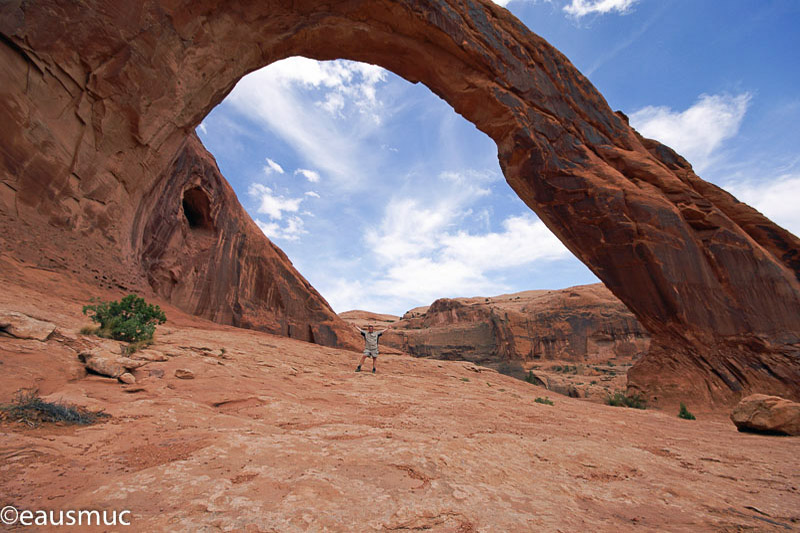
pixel 579 324
pixel 99 97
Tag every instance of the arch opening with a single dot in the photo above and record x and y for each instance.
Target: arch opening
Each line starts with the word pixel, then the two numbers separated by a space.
pixel 361 178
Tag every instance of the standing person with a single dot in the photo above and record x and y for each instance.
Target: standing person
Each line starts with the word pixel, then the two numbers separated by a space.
pixel 370 345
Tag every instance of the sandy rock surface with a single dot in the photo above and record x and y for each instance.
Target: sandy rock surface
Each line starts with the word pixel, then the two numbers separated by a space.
pixel 280 435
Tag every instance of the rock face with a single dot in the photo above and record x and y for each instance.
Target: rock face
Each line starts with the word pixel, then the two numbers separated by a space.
pixel 581 324
pixel 22 326
pixel 767 414
pixel 99 99
pixel 202 252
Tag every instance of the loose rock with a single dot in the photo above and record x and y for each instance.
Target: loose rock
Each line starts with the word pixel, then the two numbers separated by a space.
pixel 128 378
pixel 183 373
pixel 767 414
pixel 24 327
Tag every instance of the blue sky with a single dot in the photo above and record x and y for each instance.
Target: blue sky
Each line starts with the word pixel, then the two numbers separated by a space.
pixel 385 199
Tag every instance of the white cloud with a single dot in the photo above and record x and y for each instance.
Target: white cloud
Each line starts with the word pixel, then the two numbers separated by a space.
pixel 697 132
pixel 423 255
pixel 290 232
pixel 312 194
pixel 271 204
pixel 777 199
pixel 272 166
pixel 581 8
pixel 285 97
pixel 310 175
pixel 202 127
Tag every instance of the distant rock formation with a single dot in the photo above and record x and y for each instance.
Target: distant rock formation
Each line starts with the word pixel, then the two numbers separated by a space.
pixel 580 324
pixel 99 99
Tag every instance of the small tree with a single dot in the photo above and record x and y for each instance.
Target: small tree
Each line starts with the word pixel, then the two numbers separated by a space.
pixel 129 320
pixel 685 414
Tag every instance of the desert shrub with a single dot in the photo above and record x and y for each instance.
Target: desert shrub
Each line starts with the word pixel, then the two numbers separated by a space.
pixel 130 319
pixel 545 401
pixel 620 399
pixel 29 408
pixel 685 414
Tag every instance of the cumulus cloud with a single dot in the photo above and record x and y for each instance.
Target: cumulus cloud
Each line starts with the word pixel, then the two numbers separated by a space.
pixel 776 198
pixel 581 8
pixel 697 132
pixel 312 194
pixel 286 96
pixel 272 166
pixel 423 254
pixel 289 232
pixel 310 175
pixel 273 204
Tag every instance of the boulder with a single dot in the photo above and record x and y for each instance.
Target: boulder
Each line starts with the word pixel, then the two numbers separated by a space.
pixel 103 365
pixel 127 378
pixel 767 414
pixel 183 373
pixel 22 326
pixel 113 366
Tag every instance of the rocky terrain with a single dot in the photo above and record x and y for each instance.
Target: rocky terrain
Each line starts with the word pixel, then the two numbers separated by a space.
pixel 579 324
pixel 236 430
pixel 578 341
pixel 101 175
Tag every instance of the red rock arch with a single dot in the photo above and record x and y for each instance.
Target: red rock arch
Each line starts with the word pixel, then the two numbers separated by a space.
pixel 105 94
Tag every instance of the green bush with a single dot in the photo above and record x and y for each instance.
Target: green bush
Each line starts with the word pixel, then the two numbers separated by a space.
pixel 546 400
pixel 620 399
pixel 685 414
pixel 29 408
pixel 129 320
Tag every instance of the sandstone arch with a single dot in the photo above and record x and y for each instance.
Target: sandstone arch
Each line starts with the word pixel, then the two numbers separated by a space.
pixel 104 96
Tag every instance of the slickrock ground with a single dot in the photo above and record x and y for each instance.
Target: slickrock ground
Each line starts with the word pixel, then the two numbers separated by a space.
pixel 281 435
pixel 578 341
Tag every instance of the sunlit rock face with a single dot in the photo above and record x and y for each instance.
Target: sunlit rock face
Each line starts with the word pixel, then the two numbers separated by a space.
pixel 100 99
pixel 583 324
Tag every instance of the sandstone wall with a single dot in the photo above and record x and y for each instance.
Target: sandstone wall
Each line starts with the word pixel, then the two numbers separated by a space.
pixel 582 324
pixel 99 98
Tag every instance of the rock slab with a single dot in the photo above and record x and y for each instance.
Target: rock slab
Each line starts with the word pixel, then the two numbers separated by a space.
pixel 767 414
pixel 22 326
pixel 581 324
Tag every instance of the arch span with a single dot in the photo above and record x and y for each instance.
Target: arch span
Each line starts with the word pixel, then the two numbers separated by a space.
pixel 114 89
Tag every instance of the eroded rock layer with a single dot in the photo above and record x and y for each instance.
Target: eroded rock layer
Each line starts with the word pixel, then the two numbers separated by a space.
pixel 580 324
pixel 99 98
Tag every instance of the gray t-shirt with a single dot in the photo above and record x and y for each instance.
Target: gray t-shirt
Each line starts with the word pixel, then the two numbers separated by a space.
pixel 370 339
